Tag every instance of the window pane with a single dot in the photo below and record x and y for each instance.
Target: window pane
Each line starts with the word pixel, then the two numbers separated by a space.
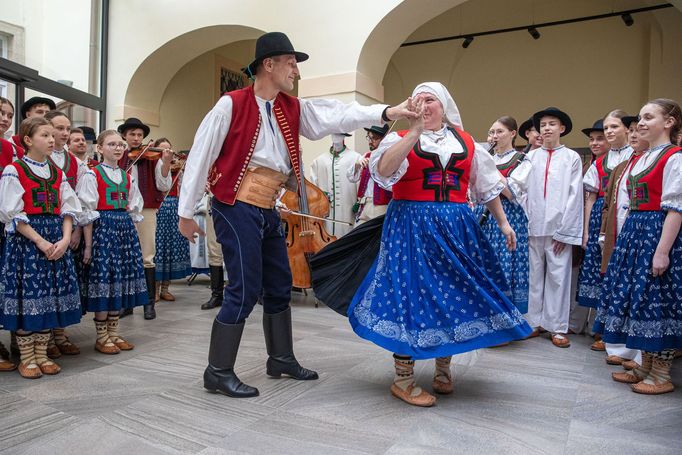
pixel 58 38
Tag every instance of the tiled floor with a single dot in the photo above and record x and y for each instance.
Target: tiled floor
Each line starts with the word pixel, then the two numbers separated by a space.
pixel 526 398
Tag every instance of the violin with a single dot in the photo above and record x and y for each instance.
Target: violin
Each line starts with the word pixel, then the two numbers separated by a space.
pixel 145 152
pixel 305 236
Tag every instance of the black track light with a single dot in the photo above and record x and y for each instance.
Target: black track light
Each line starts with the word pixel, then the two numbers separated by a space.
pixel 627 18
pixel 534 32
pixel 467 41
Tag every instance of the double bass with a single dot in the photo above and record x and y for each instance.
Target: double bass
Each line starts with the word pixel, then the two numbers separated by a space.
pixel 305 236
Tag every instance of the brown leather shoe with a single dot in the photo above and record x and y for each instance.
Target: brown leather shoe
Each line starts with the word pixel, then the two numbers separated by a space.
pixel 68 348
pixel 630 365
pixel 424 399
pixel 107 348
pixel 614 360
pixel 30 371
pixel 443 388
pixel 7 365
pixel 53 352
pixel 598 345
pixel 123 345
pixel 167 296
pixel 657 388
pixel 560 341
pixel 626 377
pixel 49 367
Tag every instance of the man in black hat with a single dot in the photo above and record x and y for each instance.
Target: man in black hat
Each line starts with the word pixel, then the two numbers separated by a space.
pixel 554 190
pixel 247 149
pixel 531 135
pixel 154 180
pixel 372 199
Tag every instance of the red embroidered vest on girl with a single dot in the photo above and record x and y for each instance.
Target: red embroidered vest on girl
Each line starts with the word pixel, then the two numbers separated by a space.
pixel 8 152
pixel 604 173
pixel 646 188
pixel 228 170
pixel 427 180
pixel 112 196
pixel 380 195
pixel 41 196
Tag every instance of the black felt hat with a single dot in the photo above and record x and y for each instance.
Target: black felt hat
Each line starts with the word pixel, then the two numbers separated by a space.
pixel 89 133
pixel 132 123
pixel 270 45
pixel 628 119
pixel 378 130
pixel 553 112
pixel 525 127
pixel 28 104
pixel 598 125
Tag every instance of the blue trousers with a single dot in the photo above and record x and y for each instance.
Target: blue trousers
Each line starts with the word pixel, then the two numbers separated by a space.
pixel 255 255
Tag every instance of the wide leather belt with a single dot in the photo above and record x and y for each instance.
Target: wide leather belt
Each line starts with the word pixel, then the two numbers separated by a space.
pixel 261 187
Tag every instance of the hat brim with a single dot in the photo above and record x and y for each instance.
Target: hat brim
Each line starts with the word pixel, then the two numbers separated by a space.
pixel 628 119
pixel 380 132
pixel 131 126
pixel 34 102
pixel 587 131
pixel 523 129
pixel 250 69
pixel 562 116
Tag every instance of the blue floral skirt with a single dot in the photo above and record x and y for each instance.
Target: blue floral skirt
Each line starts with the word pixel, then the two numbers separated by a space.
pixel 436 287
pixel 637 309
pixel 514 263
pixel 114 279
pixel 172 249
pixel 38 294
pixel 590 277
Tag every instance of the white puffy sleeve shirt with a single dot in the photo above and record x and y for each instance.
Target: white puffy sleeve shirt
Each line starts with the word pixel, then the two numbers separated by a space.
pixel 485 182
pixel 89 196
pixel 11 196
pixel 319 118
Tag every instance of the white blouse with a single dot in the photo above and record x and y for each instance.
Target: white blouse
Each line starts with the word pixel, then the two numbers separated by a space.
pixel 485 183
pixel 59 158
pixel 671 198
pixel 89 196
pixel 614 158
pixel 12 203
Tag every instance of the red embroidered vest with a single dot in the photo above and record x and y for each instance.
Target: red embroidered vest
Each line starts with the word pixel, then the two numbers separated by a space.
pixel 112 195
pixel 41 196
pixel 646 188
pixel 70 169
pixel 427 180
pixel 603 172
pixel 508 167
pixel 146 180
pixel 229 168
pixel 380 196
pixel 9 152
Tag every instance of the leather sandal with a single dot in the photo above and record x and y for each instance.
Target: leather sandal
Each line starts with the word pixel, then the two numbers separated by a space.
pixel 630 364
pixel 441 387
pixel 123 345
pixel 656 388
pixel 107 348
pixel 167 296
pixel 7 365
pixel 560 341
pixel 30 371
pixel 626 377
pixel 598 345
pixel 614 360
pixel 424 399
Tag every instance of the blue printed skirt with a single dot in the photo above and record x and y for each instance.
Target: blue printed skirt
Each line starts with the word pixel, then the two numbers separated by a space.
pixel 637 309
pixel 38 294
pixel 172 249
pixel 114 279
pixel 514 263
pixel 590 277
pixel 436 287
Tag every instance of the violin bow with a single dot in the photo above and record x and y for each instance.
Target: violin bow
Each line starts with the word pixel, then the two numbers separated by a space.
pixel 305 215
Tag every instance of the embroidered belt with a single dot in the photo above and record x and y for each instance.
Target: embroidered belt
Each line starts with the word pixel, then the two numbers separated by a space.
pixel 261 187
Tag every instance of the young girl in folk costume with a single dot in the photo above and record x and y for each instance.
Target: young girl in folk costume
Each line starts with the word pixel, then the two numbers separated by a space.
pixel 436 288
pixel 595 182
pixel 642 301
pixel 40 287
pixel 8 153
pixel 172 249
pixel 113 278
pixel 514 263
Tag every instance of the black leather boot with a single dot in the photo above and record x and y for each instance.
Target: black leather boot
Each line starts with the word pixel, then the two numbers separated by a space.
pixel 150 278
pixel 280 345
pixel 219 375
pixel 217 285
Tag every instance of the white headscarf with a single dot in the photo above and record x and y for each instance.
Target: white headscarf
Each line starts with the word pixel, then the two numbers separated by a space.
pixel 449 107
